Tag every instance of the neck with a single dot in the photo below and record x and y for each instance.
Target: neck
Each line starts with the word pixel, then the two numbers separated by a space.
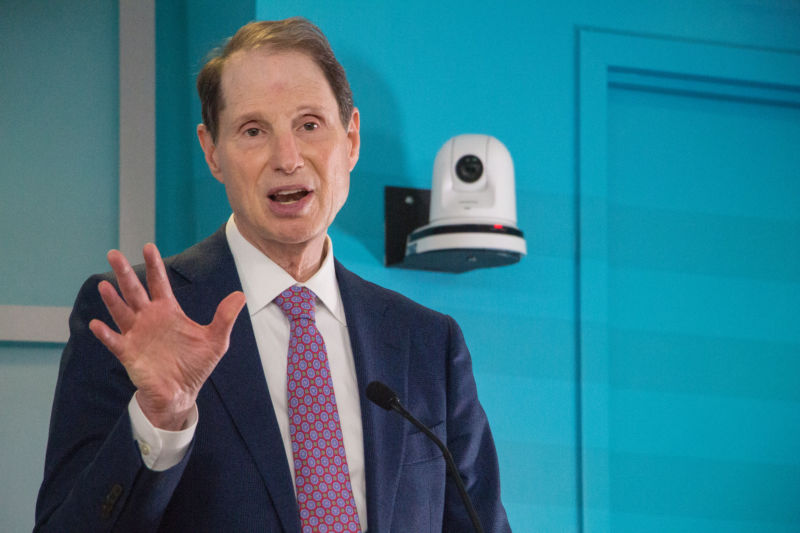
pixel 299 261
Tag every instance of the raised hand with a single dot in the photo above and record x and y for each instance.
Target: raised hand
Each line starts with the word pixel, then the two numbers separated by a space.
pixel 167 355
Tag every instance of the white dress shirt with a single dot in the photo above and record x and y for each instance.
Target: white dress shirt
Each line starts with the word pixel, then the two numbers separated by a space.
pixel 262 280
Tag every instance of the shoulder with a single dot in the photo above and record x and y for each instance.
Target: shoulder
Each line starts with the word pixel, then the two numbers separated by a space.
pixel 206 261
pixel 357 289
pixel 203 258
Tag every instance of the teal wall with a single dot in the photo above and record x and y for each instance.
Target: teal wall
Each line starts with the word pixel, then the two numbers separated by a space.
pixel 422 72
pixel 58 147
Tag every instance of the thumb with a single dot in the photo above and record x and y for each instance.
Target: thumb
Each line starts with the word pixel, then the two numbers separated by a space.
pixel 225 315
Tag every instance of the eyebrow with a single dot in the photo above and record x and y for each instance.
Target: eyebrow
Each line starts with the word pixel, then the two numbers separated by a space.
pixel 248 116
pixel 311 110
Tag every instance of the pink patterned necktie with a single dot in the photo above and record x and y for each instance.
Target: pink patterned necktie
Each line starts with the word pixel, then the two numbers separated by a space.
pixel 324 494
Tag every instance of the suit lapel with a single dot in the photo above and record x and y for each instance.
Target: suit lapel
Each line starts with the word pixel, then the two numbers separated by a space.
pixel 380 352
pixel 239 377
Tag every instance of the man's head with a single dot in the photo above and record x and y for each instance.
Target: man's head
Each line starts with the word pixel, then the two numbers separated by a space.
pixel 280 142
pixel 294 33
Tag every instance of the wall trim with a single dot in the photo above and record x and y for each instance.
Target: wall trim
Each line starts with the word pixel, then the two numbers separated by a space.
pixel 137 125
pixel 33 323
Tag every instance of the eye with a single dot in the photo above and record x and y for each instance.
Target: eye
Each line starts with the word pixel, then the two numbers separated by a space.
pixel 310 126
pixel 252 132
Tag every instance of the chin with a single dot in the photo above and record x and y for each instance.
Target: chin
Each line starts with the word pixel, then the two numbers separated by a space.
pixel 299 237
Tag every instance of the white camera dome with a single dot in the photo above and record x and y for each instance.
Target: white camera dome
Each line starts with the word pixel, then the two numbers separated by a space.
pixel 473 181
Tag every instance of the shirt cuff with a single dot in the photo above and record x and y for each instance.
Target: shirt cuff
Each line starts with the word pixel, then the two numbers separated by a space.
pixel 160 449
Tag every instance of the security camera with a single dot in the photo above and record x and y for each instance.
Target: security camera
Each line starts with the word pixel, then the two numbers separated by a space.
pixel 473 212
pixel 473 181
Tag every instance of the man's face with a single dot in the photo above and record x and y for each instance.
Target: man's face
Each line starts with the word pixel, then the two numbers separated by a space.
pixel 281 150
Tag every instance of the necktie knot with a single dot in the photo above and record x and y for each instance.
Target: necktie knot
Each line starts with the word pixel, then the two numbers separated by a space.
pixel 296 303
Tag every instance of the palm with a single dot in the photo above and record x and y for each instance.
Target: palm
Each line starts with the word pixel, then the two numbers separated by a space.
pixel 167 355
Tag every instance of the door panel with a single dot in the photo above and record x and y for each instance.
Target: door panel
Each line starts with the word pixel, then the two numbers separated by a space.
pixel 691 257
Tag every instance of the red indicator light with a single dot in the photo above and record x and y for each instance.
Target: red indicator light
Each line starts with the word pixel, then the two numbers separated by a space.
pixel 498 226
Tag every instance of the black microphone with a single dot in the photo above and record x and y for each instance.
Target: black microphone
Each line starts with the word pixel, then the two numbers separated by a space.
pixel 381 395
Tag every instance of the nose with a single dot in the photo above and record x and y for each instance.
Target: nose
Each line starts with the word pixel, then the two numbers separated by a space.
pixel 286 153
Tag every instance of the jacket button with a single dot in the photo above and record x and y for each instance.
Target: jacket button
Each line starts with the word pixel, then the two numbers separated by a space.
pixel 114 493
pixel 111 498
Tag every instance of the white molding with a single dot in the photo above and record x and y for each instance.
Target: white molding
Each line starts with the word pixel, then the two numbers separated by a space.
pixel 137 149
pixel 137 131
pixel 30 323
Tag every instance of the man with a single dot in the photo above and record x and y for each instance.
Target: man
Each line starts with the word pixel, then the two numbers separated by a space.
pixel 154 430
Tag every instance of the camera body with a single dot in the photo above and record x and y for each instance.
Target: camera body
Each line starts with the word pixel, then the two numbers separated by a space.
pixel 473 210
pixel 473 182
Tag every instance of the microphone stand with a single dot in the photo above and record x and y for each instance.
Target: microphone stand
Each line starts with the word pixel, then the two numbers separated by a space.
pixel 387 399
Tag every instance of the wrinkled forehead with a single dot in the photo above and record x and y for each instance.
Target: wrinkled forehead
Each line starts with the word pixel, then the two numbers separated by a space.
pixel 263 64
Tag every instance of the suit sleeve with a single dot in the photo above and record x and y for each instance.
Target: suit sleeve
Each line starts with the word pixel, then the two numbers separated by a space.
pixel 470 441
pixel 94 477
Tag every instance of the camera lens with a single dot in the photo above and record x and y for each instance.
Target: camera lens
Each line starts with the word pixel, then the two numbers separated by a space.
pixel 469 169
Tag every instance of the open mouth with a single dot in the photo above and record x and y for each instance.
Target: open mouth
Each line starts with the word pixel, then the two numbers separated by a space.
pixel 289 197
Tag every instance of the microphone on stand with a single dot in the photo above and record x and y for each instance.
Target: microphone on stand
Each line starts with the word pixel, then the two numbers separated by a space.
pixel 381 395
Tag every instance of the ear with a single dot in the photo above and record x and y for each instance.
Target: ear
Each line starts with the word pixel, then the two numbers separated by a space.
pixel 210 151
pixel 355 137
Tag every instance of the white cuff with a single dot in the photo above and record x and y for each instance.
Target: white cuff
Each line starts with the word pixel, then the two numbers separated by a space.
pixel 160 449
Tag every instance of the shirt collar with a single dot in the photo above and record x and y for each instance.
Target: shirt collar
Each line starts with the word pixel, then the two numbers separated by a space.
pixel 263 280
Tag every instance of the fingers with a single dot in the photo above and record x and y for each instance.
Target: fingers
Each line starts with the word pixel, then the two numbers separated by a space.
pixel 122 314
pixel 227 311
pixel 129 284
pixel 110 338
pixel 157 280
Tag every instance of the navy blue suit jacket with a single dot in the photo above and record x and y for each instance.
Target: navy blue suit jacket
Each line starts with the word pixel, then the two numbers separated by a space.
pixel 235 476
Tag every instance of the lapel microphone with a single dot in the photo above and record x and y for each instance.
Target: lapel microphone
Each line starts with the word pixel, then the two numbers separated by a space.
pixel 381 395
